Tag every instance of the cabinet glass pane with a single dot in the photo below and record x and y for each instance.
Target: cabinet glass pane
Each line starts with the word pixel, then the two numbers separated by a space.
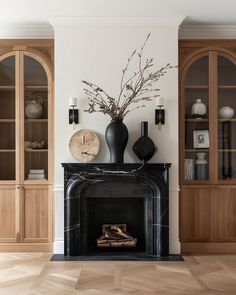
pixel 197 121
pixel 7 119
pixel 36 120
pixel 226 119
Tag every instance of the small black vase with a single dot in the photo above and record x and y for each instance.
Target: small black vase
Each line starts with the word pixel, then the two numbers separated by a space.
pixel 144 147
pixel 116 136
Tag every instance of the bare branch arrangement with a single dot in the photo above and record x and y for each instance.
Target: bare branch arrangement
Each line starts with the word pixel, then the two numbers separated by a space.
pixel 135 89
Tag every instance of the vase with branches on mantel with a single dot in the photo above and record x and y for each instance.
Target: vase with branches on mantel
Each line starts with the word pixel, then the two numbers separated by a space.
pixel 136 89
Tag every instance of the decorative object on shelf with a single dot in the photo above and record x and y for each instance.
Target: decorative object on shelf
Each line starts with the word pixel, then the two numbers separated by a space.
pixel 227 172
pixel 116 136
pixel 144 147
pixel 200 139
pixel 73 113
pixel 199 109
pixel 135 90
pixel 201 166
pixel 189 169
pixel 226 112
pixel 84 145
pixel 35 144
pixel 38 174
pixel 34 107
pixel 160 113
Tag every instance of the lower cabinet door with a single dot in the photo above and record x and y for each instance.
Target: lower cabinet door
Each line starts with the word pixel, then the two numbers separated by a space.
pixel 195 214
pixel 9 218
pixel 36 214
pixel 224 214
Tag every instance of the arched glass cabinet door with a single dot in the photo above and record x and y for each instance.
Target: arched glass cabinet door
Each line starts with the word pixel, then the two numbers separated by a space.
pixel 8 117
pixel 196 121
pixel 226 108
pixel 36 120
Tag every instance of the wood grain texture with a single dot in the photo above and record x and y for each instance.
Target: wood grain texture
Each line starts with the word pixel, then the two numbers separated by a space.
pixel 195 214
pixel 224 207
pixel 33 273
pixel 35 220
pixel 8 216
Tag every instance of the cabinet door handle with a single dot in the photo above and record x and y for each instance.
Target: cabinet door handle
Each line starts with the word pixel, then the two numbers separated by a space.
pixel 20 187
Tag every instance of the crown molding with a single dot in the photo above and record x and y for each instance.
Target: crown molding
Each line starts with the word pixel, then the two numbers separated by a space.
pixel 207 32
pixel 20 31
pixel 115 21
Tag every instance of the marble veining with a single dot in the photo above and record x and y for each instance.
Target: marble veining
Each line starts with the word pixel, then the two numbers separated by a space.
pixel 152 185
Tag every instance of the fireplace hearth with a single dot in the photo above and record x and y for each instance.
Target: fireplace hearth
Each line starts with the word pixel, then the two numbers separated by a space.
pixel 134 196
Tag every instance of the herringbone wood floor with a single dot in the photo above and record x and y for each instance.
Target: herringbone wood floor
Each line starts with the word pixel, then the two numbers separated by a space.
pixel 34 273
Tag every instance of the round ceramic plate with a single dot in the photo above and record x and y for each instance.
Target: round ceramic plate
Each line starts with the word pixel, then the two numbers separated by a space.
pixel 84 145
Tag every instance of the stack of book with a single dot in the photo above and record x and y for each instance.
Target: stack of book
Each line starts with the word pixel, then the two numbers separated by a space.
pixel 36 174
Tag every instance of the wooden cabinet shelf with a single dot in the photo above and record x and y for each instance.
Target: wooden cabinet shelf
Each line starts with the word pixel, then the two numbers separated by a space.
pixel 196 87
pixel 36 87
pixel 36 150
pixel 12 88
pixel 227 120
pixel 207 175
pixel 7 150
pixel 36 120
pixel 227 87
pixel 196 120
pixel 227 150
pixel 7 120
pixel 197 150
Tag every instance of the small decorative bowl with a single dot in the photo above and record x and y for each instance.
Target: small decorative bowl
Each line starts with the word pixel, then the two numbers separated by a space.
pixel 226 113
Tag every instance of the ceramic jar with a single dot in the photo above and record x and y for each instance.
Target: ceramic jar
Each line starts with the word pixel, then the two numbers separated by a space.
pixel 33 109
pixel 226 112
pixel 201 166
pixel 198 109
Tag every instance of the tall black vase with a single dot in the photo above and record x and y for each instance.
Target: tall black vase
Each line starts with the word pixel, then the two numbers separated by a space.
pixel 116 137
pixel 144 147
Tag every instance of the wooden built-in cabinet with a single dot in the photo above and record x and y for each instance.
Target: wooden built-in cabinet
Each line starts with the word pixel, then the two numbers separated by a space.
pixel 207 187
pixel 26 145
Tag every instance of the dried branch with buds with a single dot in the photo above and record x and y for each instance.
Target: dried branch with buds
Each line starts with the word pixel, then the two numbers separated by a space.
pixel 137 88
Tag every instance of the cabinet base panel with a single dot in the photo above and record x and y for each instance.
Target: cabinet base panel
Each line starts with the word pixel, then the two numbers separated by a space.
pixel 208 248
pixel 26 247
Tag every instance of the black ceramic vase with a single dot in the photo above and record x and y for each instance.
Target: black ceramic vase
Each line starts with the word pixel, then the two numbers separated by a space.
pixel 144 147
pixel 116 137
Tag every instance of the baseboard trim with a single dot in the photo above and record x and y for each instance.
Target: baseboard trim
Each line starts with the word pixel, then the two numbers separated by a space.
pixel 26 247
pixel 208 248
pixel 58 247
pixel 174 246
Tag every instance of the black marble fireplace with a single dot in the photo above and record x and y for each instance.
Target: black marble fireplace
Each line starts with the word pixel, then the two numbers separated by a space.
pixel 131 194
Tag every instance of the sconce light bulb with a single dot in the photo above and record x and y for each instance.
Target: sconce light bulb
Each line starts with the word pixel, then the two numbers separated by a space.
pixel 73 101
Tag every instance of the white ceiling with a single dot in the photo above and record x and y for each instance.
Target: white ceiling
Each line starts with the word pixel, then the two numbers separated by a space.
pixel 195 12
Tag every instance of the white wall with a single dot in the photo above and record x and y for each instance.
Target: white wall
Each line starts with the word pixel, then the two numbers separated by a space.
pixel 97 51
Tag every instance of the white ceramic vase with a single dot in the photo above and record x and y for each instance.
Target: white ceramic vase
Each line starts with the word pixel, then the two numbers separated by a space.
pixel 226 113
pixel 198 108
pixel 201 166
pixel 33 110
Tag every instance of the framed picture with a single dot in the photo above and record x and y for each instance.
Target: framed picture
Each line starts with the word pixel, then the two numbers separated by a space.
pixel 200 139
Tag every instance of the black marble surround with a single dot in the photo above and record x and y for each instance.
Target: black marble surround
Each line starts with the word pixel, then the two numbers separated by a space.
pixel 141 188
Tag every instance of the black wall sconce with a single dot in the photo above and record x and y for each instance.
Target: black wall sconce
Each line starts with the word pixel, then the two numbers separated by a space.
pixel 160 113
pixel 73 113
